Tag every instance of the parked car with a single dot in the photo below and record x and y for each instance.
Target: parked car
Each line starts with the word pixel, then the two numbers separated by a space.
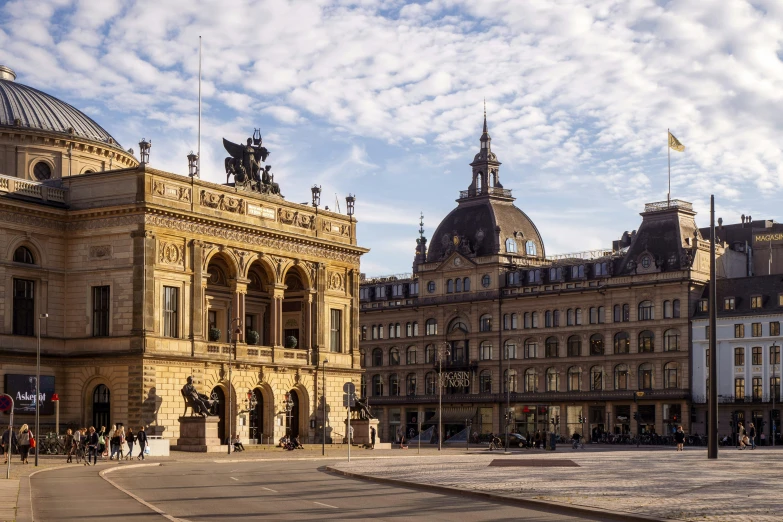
pixel 515 439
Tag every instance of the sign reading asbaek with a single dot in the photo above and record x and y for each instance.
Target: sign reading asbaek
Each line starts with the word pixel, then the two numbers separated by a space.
pixel 22 389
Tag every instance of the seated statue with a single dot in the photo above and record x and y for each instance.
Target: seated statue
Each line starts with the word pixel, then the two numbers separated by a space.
pixel 268 184
pixel 200 403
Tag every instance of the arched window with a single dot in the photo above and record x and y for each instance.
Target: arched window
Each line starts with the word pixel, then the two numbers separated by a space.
pixel 364 333
pixel 577 271
pixel 450 286
pixel 485 351
pixel 410 384
pixel 512 278
pixel 377 386
pixel 645 376
pixel 626 312
pixel 380 331
pixel 431 327
pixel 374 331
pixel 530 248
pixel 415 328
pixel 646 312
pixel 511 246
pixel 429 384
pixel 570 317
pixel 667 309
pixel 394 385
pixel 510 381
pixel 555 274
pixel 397 330
pixel 556 318
pixel 506 321
pixel 646 341
pixel 534 276
pixel 616 313
pixel 551 345
pixel 485 381
pixel 466 284
pixel 535 319
pixel 622 342
pixel 411 355
pixel 621 377
pixel 596 378
pixel 676 308
pixel 671 340
pixel 394 357
pixel 24 255
pixel 408 330
pixel 363 385
pixel 531 380
pixel 670 375
pixel 514 321
pixel 527 323
pixel 485 323
pixel 377 357
pixel 429 354
pixel 458 325
pixel 574 346
pixel 578 316
pixel 552 380
pixel 531 349
pixel 593 315
pixel 391 331
pixel 509 350
pixel 458 285
pixel 596 344
pixel 574 378
pixel 548 319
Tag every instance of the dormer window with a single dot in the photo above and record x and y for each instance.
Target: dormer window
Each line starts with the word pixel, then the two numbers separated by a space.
pixel 577 271
pixel 755 302
pixel 511 246
pixel 729 303
pixel 530 248
pixel 703 306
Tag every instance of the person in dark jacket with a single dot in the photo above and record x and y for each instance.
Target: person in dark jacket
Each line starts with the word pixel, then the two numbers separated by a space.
pixel 752 435
pixel 93 446
pixel 9 443
pixel 130 438
pixel 141 437
pixel 679 438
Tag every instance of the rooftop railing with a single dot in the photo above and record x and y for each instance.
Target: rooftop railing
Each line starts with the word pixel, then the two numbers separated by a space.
pixel 666 205
pixel 491 191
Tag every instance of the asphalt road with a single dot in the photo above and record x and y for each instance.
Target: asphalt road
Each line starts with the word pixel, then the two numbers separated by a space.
pixel 259 490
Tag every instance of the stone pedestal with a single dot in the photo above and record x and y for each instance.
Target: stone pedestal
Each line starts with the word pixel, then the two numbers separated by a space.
pixel 361 433
pixel 198 434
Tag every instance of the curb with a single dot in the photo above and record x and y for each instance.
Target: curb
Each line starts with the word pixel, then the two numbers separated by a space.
pixel 24 500
pixel 540 505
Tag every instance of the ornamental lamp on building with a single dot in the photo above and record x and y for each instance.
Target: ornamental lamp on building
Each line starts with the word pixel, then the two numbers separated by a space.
pixel 193 165
pixel 350 200
pixel 316 190
pixel 144 150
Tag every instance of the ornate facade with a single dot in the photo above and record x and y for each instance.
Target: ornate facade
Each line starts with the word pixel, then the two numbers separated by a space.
pixel 149 277
pixel 585 342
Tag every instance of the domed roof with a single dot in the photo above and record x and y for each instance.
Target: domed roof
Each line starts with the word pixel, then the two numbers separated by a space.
pixel 480 227
pixel 23 106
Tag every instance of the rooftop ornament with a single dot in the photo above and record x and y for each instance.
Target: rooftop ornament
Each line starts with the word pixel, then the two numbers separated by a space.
pixel 316 191
pixel 246 164
pixel 193 165
pixel 350 200
pixel 144 150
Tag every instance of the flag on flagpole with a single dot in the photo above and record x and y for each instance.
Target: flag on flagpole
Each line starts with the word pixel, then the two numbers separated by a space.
pixel 675 144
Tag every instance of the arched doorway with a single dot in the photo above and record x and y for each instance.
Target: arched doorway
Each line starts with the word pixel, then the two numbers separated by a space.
pixel 257 428
pixel 101 406
pixel 217 391
pixel 292 420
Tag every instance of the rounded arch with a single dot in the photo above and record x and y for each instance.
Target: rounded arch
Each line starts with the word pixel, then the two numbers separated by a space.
pixel 458 322
pixel 88 389
pixel 303 399
pixel 222 256
pixel 259 263
pixel 264 412
pixel 297 270
pixel 36 248
pixel 225 416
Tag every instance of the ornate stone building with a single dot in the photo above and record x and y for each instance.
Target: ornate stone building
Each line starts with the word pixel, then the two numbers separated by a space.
pixel 149 277
pixel 574 337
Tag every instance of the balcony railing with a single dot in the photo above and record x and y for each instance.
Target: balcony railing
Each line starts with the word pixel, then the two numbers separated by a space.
pixel 732 399
pixel 488 191
pixel 31 189
pixel 665 205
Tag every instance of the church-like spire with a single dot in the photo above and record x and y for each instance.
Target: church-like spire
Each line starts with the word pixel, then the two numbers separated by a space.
pixel 421 245
pixel 485 139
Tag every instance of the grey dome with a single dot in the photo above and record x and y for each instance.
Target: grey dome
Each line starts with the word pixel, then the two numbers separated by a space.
pixel 23 106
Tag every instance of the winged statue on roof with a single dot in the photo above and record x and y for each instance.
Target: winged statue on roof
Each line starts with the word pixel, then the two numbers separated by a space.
pixel 246 164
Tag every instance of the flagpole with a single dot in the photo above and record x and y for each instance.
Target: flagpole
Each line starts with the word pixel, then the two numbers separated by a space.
pixel 669 157
pixel 199 107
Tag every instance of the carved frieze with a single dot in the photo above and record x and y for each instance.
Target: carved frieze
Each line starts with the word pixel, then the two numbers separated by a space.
pixel 100 252
pixel 171 253
pixel 338 229
pixel 295 218
pixel 171 191
pixel 223 202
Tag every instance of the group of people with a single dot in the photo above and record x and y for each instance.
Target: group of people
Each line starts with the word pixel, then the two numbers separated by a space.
pixel 289 443
pixel 747 437
pixel 22 442
pixel 101 443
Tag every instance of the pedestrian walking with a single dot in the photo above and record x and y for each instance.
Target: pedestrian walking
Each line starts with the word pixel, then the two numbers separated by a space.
pixel 93 447
pixel 372 437
pixel 763 439
pixel 114 443
pixel 68 444
pixel 752 435
pixel 9 442
pixel 141 437
pixel 130 438
pixel 679 438
pixel 102 441
pixel 25 436
pixel 741 435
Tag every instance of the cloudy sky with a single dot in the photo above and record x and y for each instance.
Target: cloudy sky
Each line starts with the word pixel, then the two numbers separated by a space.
pixel 383 98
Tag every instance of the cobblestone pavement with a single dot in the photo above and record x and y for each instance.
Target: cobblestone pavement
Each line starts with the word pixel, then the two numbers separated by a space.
pixel 739 486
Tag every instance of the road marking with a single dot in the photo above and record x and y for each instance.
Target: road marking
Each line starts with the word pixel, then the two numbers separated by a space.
pixel 138 499
pixel 272 490
pixel 233 478
pixel 325 505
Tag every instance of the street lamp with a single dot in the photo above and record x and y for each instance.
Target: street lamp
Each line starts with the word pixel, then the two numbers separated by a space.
pixel 37 389
pixel 443 351
pixel 144 150
pixel 289 407
pixel 193 165
pixel 323 398
pixel 236 331
pixel 777 388
pixel 316 191
pixel 350 200
pixel 508 396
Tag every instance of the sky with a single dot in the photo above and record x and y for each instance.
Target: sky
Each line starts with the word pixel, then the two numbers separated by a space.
pixel 384 99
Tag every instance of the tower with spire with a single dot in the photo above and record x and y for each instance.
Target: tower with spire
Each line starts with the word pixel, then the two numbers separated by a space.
pixel 421 246
pixel 485 165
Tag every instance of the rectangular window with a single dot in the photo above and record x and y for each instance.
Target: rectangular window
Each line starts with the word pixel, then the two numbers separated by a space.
pixel 336 338
pixel 774 355
pixel 728 303
pixel 24 307
pixel 755 302
pixel 756 356
pixel 100 311
pixel 739 388
pixel 702 306
pixel 774 387
pixel 531 350
pixel 212 319
pixel 170 311
pixel 486 352
pixel 755 329
pixel 780 299
pixel 739 331
pixel 364 333
pixel 593 315
pixel 774 328
pixel 757 388
pixel 739 356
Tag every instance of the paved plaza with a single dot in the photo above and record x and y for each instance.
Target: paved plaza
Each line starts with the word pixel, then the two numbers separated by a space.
pixel 739 486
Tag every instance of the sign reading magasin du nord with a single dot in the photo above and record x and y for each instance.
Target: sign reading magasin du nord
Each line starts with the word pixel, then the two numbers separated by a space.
pixel 769 237
pixel 22 389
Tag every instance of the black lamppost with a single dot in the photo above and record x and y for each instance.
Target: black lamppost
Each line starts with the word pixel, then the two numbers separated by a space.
pixel 777 388
pixel 289 407
pixel 316 191
pixel 443 351
pixel 350 200
pixel 144 150
pixel 37 388
pixel 193 165
pixel 229 418
pixel 323 398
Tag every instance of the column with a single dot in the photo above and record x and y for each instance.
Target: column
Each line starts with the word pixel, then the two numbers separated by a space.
pixel 239 289
pixel 143 282
pixel 197 310
pixel 319 314
pixel 276 315
pixel 307 324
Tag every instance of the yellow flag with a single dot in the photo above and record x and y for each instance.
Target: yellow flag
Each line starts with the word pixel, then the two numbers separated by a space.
pixel 675 143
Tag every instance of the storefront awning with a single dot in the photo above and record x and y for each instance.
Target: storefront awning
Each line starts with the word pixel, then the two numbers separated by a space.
pixel 454 416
